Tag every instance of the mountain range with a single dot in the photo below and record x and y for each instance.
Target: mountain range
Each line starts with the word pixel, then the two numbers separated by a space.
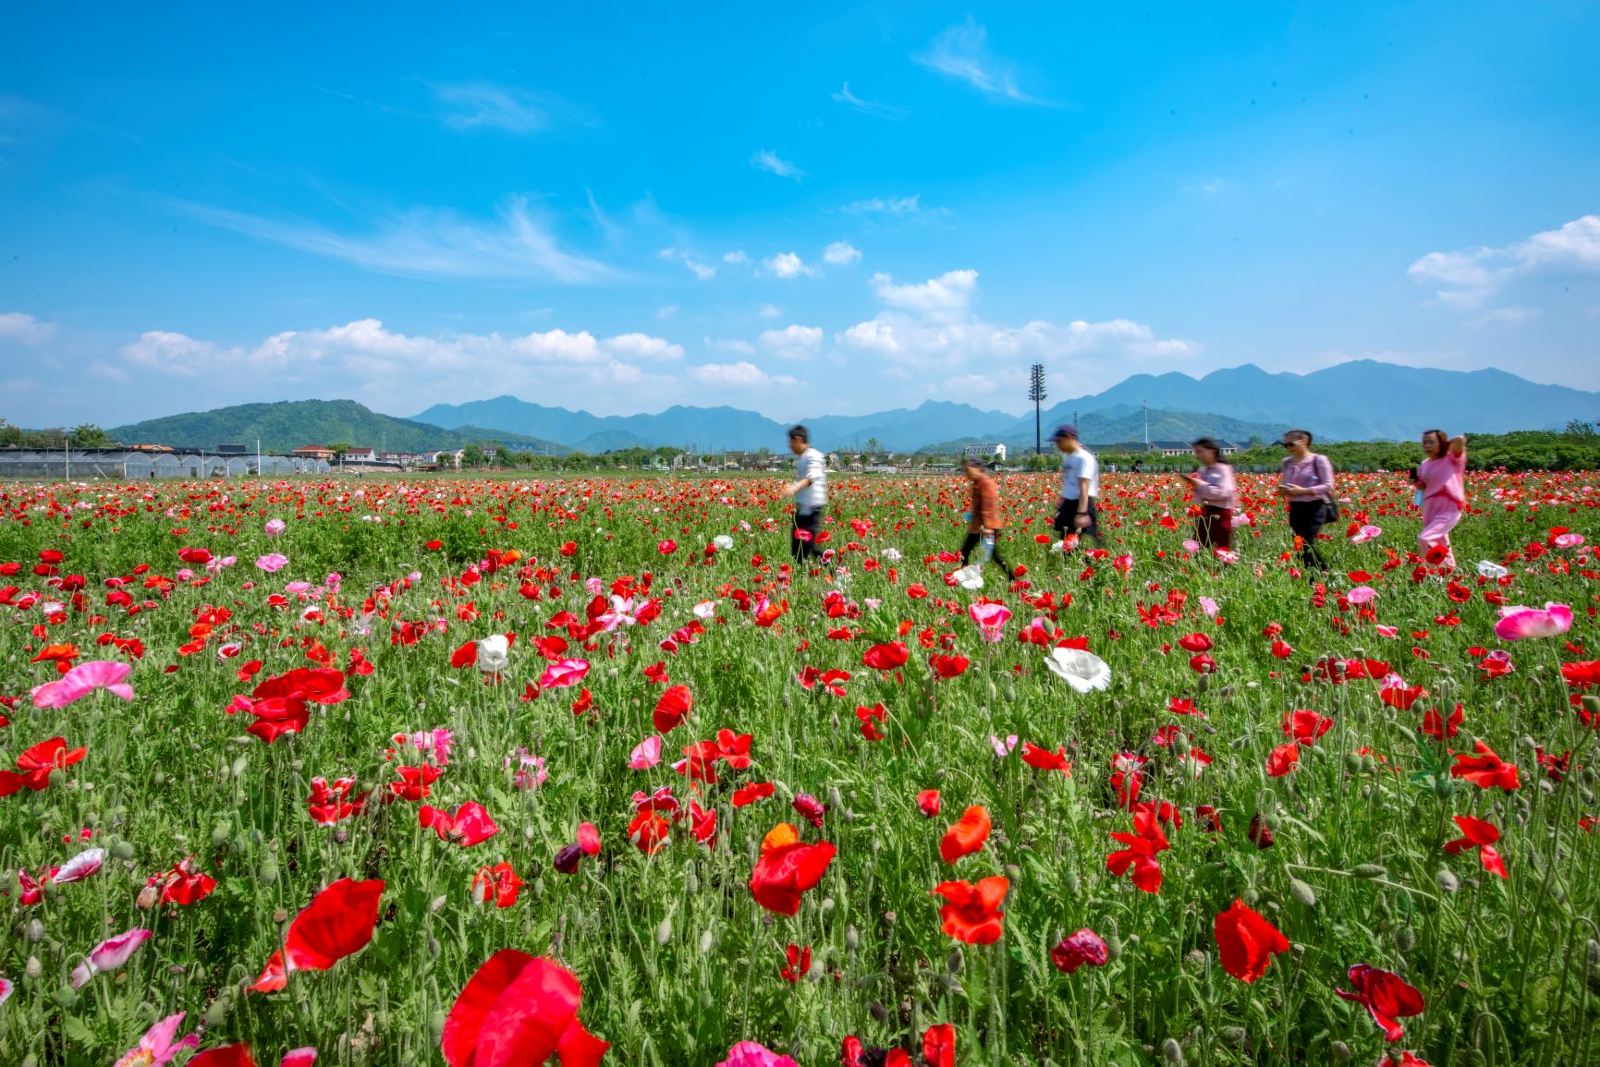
pixel 1358 400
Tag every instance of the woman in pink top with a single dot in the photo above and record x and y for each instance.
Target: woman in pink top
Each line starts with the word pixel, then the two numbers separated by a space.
pixel 1216 491
pixel 1442 479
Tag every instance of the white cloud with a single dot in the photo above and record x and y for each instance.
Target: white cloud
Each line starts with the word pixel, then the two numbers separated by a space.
pixel 481 105
pixel 1506 316
pixel 962 52
pixel 951 291
pixel 1469 277
pixel 793 341
pixel 866 107
pixel 736 259
pixel 666 312
pixel 931 325
pixel 430 244
pixel 642 346
pixel 734 345
pixel 770 311
pixel 788 265
pixel 741 375
pixel 840 253
pixel 702 270
pixel 773 163
pixel 970 385
pixel 18 328
pixel 881 205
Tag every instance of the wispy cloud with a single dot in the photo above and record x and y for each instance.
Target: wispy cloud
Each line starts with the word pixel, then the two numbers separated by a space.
pixel 773 163
pixel 788 265
pixel 1469 277
pixel 867 107
pixel 487 106
pixel 841 253
pixel 427 243
pixel 701 269
pixel 962 52
pixel 19 328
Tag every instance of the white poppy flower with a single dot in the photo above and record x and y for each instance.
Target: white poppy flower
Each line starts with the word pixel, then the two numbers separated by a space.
pixel 1492 571
pixel 1081 670
pixel 723 542
pixel 493 653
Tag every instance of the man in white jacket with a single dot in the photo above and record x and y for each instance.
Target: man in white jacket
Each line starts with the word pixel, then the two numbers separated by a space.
pixel 1076 513
pixel 810 492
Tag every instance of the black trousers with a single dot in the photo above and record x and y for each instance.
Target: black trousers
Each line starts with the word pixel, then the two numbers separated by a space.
pixel 971 543
pixel 1066 518
pixel 1305 520
pixel 805 547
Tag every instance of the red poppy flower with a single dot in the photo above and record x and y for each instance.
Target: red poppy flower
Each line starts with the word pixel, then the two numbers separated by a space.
pixel 928 803
pixel 673 707
pixel 967 835
pixel 1305 726
pixel 519 1010
pixel 498 883
pixel 415 782
pixel 1075 950
pixel 468 825
pixel 1486 770
pixel 1183 706
pixel 1386 996
pixel 1045 760
pixel 948 666
pixel 1146 841
pixel 750 793
pixel 235 1055
pixel 1195 642
pixel 37 763
pixel 939 1046
pixel 1440 728
pixel 886 657
pixel 183 885
pixel 330 804
pixel 1283 759
pixel 787 868
pixel 337 923
pixel 809 808
pixel 870 718
pixel 1482 836
pixel 1247 941
pixel 797 963
pixel 971 912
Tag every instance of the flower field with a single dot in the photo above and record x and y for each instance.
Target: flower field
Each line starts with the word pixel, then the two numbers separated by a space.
pixel 489 772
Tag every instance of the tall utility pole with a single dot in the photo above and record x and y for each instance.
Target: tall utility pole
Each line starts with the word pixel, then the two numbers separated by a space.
pixel 1036 393
pixel 1145 408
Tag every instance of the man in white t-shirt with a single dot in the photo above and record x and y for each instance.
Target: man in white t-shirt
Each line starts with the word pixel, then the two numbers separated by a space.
pixel 1080 485
pixel 810 492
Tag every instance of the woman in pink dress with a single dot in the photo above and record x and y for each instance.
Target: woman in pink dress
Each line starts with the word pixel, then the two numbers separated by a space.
pixel 1442 480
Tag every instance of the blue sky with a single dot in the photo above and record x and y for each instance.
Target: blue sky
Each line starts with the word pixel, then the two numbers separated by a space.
pixel 800 211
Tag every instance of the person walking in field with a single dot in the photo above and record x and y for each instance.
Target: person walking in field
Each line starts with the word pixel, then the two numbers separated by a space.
pixel 810 492
pixel 984 519
pixel 1442 479
pixel 1217 493
pixel 1076 513
pixel 1306 481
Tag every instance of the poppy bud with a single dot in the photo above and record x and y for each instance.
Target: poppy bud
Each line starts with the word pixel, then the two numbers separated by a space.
pixel 1172 1052
pixel 280 916
pixel 664 931
pixel 878 1012
pixel 269 870
pixel 708 941
pixel 34 931
pixel 147 898
pixel 1593 949
pixel 217 1013
pixel 33 968
pixel 1404 939
pixel 239 766
pixel 1302 892
pixel 1341 1051
pixel 1195 958
pixel 852 938
pixel 122 850
pixel 953 961
pixel 566 860
pixel 1447 881
pixel 1591 703
pixel 890 918
pixel 1369 870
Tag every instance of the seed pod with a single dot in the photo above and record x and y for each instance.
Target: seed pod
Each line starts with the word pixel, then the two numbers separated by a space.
pixel 34 931
pixel 33 968
pixel 954 961
pixel 1369 870
pixel 664 931
pixel 1405 939
pixel 1341 1051
pixel 122 850
pixel 1302 892
pixel 218 1012
pixel 269 870
pixel 852 938
pixel 147 898
pixel 1171 1051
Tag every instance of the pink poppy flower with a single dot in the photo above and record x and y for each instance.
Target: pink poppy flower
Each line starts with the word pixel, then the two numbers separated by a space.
pixel 1520 623
pixel 991 619
pixel 274 527
pixel 7 987
pixel 751 1054
pixel 1366 533
pixel 157 1047
pixel 272 562
pixel 1190 545
pixel 1567 540
pixel 300 1057
pixel 1362 595
pixel 79 867
pixel 1002 749
pixel 1208 606
pixel 563 674
pixel 108 955
pixel 85 678
pixel 646 753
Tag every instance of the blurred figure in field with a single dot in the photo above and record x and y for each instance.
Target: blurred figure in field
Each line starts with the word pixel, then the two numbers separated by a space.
pixel 984 520
pixel 1080 484
pixel 810 492
pixel 1442 481
pixel 1306 481
pixel 1217 492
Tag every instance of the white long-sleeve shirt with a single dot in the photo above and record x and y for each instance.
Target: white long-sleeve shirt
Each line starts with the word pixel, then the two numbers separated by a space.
pixel 811 464
pixel 1076 466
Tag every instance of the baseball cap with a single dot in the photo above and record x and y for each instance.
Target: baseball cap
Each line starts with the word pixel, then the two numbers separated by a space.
pixel 1066 429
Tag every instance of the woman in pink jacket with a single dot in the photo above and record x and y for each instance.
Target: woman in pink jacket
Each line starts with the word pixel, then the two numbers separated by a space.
pixel 1216 492
pixel 1442 480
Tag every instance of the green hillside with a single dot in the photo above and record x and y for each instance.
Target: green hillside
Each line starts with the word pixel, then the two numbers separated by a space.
pixel 288 424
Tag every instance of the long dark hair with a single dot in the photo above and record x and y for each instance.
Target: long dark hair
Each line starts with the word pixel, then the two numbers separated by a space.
pixel 1210 445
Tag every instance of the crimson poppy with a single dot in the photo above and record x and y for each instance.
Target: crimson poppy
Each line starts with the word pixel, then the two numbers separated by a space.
pixel 928 803
pixel 1045 760
pixel 939 1045
pixel 1387 997
pixel 1481 835
pixel 1305 726
pixel 673 707
pixel 1283 759
pixel 36 763
pixel 751 792
pixel 468 825
pixel 498 883
pixel 337 923
pixel 948 666
pixel 1486 770
pixel 886 657
pixel 1246 941
pixel 1075 950
pixel 971 912
pixel 518 1009
pixel 1143 845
